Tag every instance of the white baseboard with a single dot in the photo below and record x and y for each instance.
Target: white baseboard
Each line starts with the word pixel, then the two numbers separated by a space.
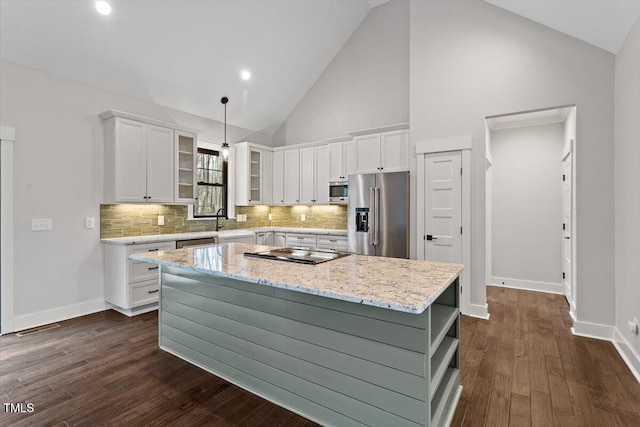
pixel 479 311
pixel 629 355
pixel 529 285
pixel 592 330
pixel 40 318
pixel 134 311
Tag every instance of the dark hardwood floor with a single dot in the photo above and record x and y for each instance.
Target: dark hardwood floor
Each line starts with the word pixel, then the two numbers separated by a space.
pixel 522 367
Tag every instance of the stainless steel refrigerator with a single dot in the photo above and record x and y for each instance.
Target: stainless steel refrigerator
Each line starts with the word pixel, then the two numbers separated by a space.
pixel 379 214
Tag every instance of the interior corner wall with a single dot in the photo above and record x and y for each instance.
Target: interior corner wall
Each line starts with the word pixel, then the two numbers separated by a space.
pixel 527 206
pixel 470 60
pixel 58 165
pixel 365 86
pixel 627 189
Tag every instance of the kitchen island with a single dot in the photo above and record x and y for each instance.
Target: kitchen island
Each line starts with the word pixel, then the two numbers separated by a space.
pixel 350 342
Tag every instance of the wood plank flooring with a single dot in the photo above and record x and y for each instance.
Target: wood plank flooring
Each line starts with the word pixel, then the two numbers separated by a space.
pixel 521 368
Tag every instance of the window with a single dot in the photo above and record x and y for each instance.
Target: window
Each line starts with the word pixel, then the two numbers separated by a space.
pixel 212 184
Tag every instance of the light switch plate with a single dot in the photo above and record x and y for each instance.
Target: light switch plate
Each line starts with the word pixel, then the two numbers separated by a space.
pixel 160 219
pixel 270 217
pixel 89 222
pixel 42 224
pixel 303 217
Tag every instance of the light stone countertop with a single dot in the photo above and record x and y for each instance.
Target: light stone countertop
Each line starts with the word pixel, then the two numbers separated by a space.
pixel 398 284
pixel 225 233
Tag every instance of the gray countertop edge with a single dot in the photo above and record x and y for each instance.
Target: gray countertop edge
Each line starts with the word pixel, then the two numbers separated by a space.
pixel 205 234
pixel 419 309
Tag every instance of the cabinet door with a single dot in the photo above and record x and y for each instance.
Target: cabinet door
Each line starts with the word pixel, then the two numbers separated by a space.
pixel 130 153
pixel 279 240
pixel 185 163
pixel 278 178
pixel 349 159
pixel 307 185
pixel 291 177
pixel 367 153
pixel 321 175
pixel 336 171
pixel 255 176
pixel 160 180
pixel 394 151
pixel 267 177
pixel 261 238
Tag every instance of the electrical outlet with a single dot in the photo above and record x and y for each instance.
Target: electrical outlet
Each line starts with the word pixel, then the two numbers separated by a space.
pixel 160 219
pixel 89 222
pixel 43 224
pixel 303 217
pixel 270 217
pixel 633 326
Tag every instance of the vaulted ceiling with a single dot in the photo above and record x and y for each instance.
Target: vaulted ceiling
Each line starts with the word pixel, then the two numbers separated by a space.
pixel 187 54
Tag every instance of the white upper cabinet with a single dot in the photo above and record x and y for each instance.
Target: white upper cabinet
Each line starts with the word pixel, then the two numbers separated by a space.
pixel 342 160
pixel 394 150
pixel 160 175
pixel 307 175
pixel 321 169
pixel 253 175
pixel 314 175
pixel 291 177
pixel 139 162
pixel 382 152
pixel 278 178
pixel 185 156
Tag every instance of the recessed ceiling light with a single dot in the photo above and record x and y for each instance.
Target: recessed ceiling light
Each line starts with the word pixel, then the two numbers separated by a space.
pixel 103 8
pixel 245 75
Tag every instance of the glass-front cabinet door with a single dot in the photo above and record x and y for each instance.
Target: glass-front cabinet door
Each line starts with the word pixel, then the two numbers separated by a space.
pixel 185 163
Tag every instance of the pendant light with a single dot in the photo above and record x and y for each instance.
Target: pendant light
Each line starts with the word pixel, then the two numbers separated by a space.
pixel 225 146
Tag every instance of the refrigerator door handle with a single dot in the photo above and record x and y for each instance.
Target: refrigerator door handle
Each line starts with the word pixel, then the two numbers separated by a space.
pixel 377 218
pixel 374 214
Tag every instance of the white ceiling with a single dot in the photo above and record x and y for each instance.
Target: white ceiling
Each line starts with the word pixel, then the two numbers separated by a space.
pixel 602 23
pixel 187 54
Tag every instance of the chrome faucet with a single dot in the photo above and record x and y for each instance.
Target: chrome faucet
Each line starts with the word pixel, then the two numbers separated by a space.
pixel 218 227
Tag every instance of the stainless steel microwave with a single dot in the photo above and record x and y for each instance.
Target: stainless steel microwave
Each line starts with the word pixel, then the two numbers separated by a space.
pixel 339 192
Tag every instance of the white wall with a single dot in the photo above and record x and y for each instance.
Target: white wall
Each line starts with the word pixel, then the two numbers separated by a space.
pixel 527 206
pixel 58 163
pixel 627 193
pixel 365 86
pixel 470 60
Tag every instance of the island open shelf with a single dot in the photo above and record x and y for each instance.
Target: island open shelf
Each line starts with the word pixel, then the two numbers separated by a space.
pixel 330 358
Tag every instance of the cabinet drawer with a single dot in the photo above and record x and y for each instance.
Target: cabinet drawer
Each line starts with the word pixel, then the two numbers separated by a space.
pixel 336 243
pixel 140 271
pixel 143 293
pixel 306 240
pixel 151 247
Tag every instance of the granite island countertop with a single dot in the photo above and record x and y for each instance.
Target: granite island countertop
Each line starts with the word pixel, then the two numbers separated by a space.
pixel 392 283
pixel 154 238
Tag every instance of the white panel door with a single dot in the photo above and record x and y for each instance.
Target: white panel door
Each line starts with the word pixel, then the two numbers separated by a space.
pixel 131 172
pixel 278 178
pixel 291 177
pixel 566 228
pixel 394 151
pixel 349 163
pixel 321 169
pixel 307 184
pixel 443 207
pixel 160 182
pixel 367 153
pixel 267 177
pixel 335 162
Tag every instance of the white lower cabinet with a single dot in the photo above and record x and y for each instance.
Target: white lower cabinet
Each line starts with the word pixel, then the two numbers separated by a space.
pixel 332 243
pixel 131 287
pixel 264 238
pixel 301 240
pixel 279 239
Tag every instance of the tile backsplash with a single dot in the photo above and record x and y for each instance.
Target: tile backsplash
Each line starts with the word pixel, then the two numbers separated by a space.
pixel 139 220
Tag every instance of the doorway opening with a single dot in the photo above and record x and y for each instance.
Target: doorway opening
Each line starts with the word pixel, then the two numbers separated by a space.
pixel 530 201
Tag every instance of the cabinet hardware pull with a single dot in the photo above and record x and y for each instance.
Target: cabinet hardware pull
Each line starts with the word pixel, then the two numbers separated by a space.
pixel 153 268
pixel 154 250
pixel 154 291
pixel 332 240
